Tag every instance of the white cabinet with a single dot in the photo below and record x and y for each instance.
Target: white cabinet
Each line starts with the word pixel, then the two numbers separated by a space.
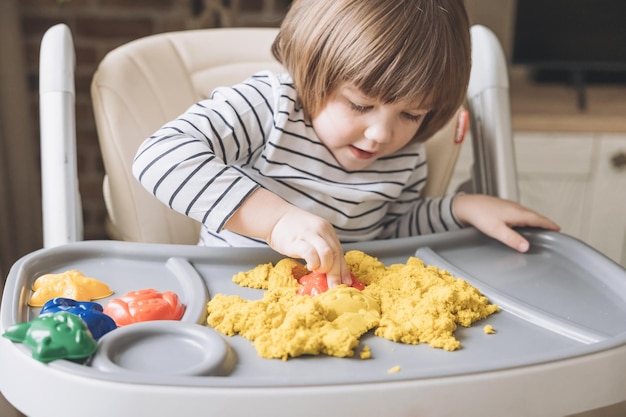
pixel 606 228
pixel 555 175
pixel 576 180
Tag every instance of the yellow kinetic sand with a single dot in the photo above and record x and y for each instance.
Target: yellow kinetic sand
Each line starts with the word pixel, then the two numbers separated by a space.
pixel 407 303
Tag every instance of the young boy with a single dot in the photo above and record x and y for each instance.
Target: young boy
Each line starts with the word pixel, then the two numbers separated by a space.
pixel 332 151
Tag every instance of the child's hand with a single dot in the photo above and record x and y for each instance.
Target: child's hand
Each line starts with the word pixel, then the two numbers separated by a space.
pixel 293 232
pixel 300 234
pixel 496 217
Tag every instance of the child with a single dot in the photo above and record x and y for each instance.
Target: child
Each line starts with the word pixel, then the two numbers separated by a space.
pixel 332 151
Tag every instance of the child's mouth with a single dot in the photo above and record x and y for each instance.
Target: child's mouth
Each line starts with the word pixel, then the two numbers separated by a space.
pixel 360 153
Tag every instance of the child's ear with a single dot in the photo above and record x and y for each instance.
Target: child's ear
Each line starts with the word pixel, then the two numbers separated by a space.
pixel 462 123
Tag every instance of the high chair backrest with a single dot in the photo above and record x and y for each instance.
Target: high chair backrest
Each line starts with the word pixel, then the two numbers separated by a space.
pixel 141 85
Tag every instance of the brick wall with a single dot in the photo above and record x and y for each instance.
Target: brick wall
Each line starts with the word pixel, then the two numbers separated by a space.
pixel 100 25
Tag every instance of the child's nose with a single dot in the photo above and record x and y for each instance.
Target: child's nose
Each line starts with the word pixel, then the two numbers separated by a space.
pixel 379 130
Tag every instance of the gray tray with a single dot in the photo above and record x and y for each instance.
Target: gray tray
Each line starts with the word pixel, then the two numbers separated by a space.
pixel 561 300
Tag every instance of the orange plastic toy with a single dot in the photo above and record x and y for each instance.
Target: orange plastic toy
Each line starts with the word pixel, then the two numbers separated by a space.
pixel 315 283
pixel 145 305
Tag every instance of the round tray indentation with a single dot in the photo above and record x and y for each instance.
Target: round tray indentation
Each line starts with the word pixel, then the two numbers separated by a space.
pixel 164 347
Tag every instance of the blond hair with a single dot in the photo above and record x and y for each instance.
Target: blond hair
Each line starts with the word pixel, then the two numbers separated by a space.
pixel 391 50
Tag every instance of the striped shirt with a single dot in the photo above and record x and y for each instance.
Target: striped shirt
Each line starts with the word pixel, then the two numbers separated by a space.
pixel 206 162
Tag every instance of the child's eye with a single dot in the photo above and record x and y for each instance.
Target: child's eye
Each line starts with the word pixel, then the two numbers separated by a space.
pixel 358 108
pixel 412 117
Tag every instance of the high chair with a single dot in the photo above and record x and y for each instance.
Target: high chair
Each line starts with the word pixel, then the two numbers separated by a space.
pixel 143 84
pixel 559 346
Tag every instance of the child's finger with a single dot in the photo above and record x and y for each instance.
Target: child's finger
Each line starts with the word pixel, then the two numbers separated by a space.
pixel 509 237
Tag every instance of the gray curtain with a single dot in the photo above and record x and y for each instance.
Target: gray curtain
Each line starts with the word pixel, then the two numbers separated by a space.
pixel 20 189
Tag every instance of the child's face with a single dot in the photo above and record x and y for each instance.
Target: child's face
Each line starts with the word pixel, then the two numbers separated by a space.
pixel 359 130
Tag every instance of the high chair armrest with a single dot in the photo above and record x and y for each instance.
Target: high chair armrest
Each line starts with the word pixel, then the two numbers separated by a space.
pixel 61 205
pixel 494 170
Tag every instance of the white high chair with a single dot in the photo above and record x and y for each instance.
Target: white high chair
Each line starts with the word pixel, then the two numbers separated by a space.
pixel 141 85
pixel 561 347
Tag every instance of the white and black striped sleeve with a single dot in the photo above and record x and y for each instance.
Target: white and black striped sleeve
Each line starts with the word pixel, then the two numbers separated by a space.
pixel 413 214
pixel 188 163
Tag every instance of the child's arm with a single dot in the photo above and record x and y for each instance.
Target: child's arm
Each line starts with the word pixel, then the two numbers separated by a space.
pixel 293 232
pixel 496 217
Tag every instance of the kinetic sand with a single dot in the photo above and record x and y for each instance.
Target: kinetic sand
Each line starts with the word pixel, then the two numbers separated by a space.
pixel 407 303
